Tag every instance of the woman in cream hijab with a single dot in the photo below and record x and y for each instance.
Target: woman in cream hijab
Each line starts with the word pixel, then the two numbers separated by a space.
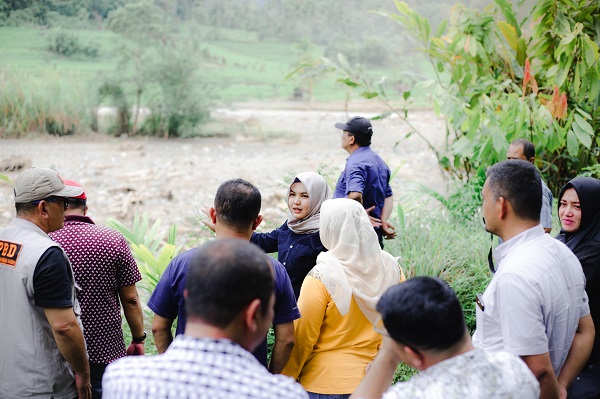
pixel 335 339
pixel 297 241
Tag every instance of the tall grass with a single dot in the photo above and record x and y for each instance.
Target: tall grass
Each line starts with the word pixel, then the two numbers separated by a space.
pixel 452 251
pixel 442 238
pixel 54 108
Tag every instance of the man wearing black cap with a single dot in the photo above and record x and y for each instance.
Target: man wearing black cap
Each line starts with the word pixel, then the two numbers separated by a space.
pixel 366 177
pixel 42 342
pixel 423 326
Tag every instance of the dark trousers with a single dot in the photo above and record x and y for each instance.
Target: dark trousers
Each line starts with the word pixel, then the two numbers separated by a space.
pixel 586 385
pixel 96 372
pixel 380 236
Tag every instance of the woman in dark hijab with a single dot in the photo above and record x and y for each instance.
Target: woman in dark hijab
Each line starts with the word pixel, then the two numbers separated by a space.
pixel 579 215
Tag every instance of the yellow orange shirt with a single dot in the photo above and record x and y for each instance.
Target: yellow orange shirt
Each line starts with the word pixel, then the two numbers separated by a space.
pixel 331 351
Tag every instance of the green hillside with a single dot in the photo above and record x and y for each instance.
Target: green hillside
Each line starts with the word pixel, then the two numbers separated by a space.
pixel 239 66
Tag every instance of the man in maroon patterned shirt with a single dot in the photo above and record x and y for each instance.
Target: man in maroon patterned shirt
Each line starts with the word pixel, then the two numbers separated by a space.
pixel 106 273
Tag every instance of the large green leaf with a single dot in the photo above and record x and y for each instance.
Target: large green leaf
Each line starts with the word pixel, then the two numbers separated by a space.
pixel 593 81
pixel 562 26
pixel 541 8
pixel 510 33
pixel 507 10
pixel 369 94
pixel 521 51
pixel 583 130
pixel 572 143
pixel 441 28
pixel 563 72
pixel 590 50
pixel 499 140
pixel 348 82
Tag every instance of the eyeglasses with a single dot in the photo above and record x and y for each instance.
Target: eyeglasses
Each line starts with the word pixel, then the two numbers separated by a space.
pixel 54 199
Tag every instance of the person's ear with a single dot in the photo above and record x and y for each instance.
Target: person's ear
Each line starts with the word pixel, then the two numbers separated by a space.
pixel 414 358
pixel 250 315
pixel 185 294
pixel 85 210
pixel 41 207
pixel 532 160
pixel 212 213
pixel 257 222
pixel 502 207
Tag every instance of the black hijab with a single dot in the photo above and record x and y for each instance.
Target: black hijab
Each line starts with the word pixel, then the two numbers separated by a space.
pixel 588 191
pixel 585 244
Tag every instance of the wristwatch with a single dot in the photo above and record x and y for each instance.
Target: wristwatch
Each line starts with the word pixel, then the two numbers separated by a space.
pixel 139 340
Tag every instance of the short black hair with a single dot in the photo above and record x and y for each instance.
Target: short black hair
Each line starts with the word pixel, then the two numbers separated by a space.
pixel 237 203
pixel 423 313
pixel 528 147
pixel 363 140
pixel 25 208
pixel 76 203
pixel 520 183
pixel 223 277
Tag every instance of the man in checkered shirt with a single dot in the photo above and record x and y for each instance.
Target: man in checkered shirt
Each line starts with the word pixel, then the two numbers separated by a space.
pixel 229 299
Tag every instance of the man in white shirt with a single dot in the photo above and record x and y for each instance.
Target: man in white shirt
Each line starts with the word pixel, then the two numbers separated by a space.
pixel 535 306
pixel 426 328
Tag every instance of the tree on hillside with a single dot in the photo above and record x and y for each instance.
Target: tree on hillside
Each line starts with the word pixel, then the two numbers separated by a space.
pixel 160 63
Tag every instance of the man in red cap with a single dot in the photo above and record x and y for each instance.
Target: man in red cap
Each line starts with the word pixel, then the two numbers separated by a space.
pixel 106 273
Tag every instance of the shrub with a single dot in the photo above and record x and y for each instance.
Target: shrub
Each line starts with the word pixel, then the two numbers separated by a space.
pixel 182 123
pixel 497 82
pixel 45 110
pixel 68 45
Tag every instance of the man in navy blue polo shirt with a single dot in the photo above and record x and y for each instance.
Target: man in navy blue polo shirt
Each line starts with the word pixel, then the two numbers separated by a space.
pixel 235 215
pixel 366 177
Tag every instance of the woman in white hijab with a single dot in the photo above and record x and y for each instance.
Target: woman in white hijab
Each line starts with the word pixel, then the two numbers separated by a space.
pixel 297 241
pixel 335 339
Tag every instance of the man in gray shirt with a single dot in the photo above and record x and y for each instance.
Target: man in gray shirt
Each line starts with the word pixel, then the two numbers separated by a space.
pixel 535 306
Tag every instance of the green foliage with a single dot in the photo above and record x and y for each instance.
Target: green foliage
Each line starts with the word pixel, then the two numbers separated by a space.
pixel 403 373
pixel 149 248
pixel 438 240
pixel 101 8
pixel 493 84
pixel 50 109
pixel 115 92
pixel 69 45
pixel 496 84
pixel 154 55
pixel 592 171
pixel 358 81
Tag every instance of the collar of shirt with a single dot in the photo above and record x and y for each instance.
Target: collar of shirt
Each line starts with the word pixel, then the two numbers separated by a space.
pixel 184 343
pixel 78 218
pixel 359 151
pixel 502 250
